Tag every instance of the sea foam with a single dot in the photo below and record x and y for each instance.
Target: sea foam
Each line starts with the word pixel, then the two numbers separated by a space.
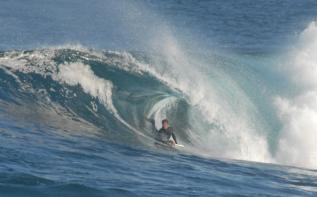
pixel 297 141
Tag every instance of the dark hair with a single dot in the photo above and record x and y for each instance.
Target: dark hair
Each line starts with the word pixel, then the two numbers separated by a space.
pixel 165 120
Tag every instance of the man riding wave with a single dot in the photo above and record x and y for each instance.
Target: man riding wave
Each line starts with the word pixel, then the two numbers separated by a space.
pixel 165 133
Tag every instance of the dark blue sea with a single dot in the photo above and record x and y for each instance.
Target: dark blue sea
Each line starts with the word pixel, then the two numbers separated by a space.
pixel 237 80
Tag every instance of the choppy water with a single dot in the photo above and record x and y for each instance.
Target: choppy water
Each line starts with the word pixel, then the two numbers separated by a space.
pixel 236 79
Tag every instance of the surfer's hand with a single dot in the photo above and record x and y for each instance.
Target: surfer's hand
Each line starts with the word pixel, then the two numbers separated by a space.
pixel 172 142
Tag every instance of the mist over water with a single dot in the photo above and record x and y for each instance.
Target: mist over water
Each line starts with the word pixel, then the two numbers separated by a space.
pixel 298 114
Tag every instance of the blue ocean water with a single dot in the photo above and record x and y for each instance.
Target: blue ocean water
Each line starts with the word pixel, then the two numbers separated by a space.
pixel 236 79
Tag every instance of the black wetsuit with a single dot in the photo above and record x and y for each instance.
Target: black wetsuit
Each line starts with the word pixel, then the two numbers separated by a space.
pixel 164 135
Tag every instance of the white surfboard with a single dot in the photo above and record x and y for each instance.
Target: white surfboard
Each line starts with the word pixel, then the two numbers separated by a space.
pixel 179 146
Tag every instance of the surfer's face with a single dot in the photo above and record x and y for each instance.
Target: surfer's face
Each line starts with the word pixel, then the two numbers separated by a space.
pixel 165 125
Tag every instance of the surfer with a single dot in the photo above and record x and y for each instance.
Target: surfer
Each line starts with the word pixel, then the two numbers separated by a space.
pixel 165 133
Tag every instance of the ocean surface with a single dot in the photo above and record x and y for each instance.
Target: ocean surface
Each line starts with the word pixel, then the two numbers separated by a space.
pixel 236 79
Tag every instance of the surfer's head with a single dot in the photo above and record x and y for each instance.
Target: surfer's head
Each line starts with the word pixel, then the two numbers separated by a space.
pixel 165 123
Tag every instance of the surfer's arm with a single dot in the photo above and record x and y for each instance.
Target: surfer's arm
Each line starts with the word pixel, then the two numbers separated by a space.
pixel 174 138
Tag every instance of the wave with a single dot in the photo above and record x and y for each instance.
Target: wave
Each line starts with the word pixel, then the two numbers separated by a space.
pixel 216 104
pixel 115 91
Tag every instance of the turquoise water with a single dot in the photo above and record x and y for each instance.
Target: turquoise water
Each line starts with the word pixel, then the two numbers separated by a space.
pixel 236 79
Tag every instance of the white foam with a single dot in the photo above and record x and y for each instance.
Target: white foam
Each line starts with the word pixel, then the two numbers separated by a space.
pixel 297 141
pixel 81 74
pixel 39 62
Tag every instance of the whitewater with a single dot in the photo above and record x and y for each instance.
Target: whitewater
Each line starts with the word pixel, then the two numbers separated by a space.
pixel 237 82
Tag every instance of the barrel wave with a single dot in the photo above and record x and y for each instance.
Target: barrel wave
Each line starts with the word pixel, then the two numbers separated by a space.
pixel 113 93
